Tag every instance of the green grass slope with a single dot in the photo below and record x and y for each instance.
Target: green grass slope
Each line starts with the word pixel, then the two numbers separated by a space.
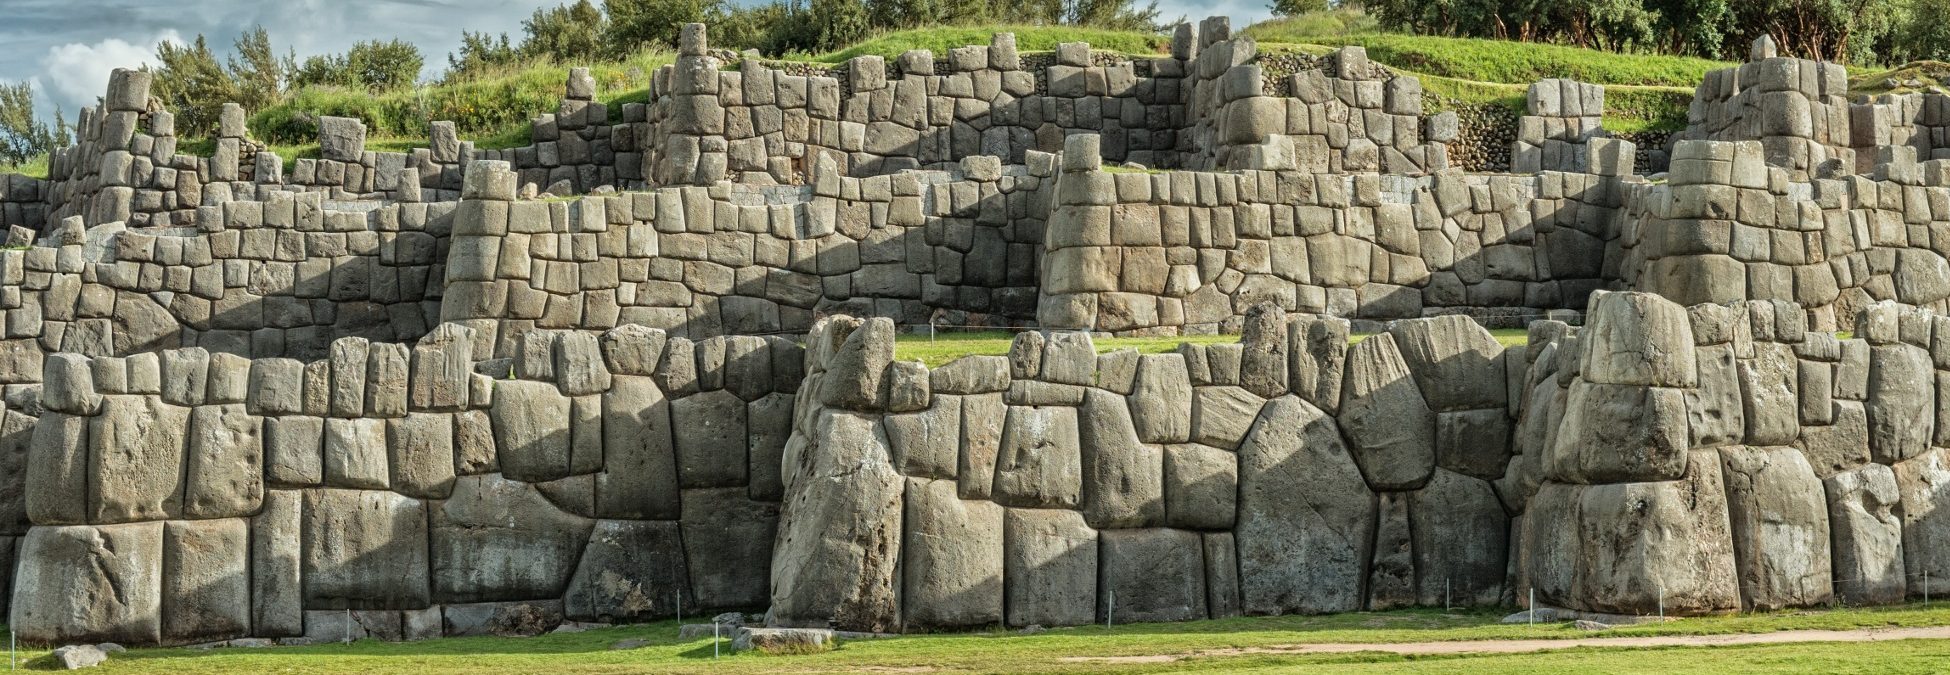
pixel 1028 39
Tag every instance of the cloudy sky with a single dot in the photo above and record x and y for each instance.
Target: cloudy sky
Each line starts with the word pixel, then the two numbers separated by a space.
pixel 66 48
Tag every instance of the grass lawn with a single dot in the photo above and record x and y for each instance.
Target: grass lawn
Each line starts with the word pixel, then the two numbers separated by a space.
pixel 1225 644
pixel 944 347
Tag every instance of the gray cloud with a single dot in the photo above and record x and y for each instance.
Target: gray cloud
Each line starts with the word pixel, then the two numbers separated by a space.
pixel 67 47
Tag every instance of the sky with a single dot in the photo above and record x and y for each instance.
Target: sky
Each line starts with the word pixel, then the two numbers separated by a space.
pixel 66 48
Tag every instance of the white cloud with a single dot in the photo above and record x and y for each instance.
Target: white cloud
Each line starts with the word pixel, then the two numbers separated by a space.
pixel 77 73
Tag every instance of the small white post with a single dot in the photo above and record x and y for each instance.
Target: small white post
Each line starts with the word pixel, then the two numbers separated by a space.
pixel 714 639
pixel 1533 608
pixel 1448 604
pixel 1110 608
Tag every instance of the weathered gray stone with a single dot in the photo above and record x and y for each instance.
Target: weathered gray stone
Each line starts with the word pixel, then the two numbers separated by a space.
pixel 853 375
pixel 982 419
pixel 1123 479
pixel 1638 338
pixel 1154 574
pixel 1767 383
pixel 840 530
pixel 1867 535
pixel 1318 359
pixel 1619 433
pixel 1901 403
pixel 531 430
pixel 76 657
pixel 341 139
pixel 1780 528
pixel 1461 538
pixel 783 641
pixel 206 582
pixel 1388 425
pixel 1454 360
pixel 1038 462
pixel 1306 517
pixel 970 375
pixel 422 454
pixel 89 583
pixel 711 441
pixel 631 570
pixel 1161 399
pixel 1263 361
pixel 1201 487
pixel 1716 410
pixel 1648 545
pixel 498 540
pixel 367 550
pixel 1473 442
pixel 639 478
pixel 293 446
pixel 1069 357
pixel 1050 564
pixel 1221 415
pixel 355 453
pixel 277 593
pixel 728 540
pixel 1924 483
pixel 951 558
pixel 135 459
pixel 925 444
pixel 224 477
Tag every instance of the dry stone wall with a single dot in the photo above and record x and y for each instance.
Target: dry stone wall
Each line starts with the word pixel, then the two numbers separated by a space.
pixel 1170 252
pixel 1057 486
pixel 396 491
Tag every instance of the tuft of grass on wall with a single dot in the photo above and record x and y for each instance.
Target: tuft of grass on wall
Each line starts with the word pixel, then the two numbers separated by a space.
pixel 33 168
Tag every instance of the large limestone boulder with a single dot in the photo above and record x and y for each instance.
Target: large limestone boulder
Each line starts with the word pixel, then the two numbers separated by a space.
pixel 1619 433
pixel 225 468
pixel 1201 487
pixel 366 549
pixel 1658 544
pixel 639 477
pixel 711 442
pixel 531 430
pixel 84 583
pixel 1123 479
pixel 1867 535
pixel 135 459
pixel 1151 574
pixel 1316 359
pixel 1771 404
pixel 840 531
pixel 1639 339
pixel 498 539
pixel 1902 402
pixel 1161 399
pixel 206 582
pixel 1780 527
pixel 1461 541
pixel 1050 567
pixel 728 541
pixel 951 558
pixel 854 371
pixel 1924 483
pixel 631 571
pixel 1388 425
pixel 1306 517
pixel 1716 410
pixel 1455 360
pixel 1039 464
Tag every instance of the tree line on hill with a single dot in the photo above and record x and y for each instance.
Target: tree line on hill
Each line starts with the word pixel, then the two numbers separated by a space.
pixel 1846 31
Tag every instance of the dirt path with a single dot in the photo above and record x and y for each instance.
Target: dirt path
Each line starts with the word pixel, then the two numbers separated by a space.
pixel 1527 646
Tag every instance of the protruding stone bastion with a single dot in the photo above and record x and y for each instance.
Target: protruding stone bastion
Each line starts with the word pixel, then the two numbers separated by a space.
pixel 406 395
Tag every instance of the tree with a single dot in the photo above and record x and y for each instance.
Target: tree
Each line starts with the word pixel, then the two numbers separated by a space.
pixel 385 66
pixel 190 82
pixel 23 135
pixel 564 33
pixel 479 53
pixel 1298 7
pixel 837 23
pixel 636 24
pixel 255 70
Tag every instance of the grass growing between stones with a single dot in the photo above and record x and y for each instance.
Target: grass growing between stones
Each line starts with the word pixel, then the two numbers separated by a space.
pixel 33 168
pixel 944 347
pixel 1227 644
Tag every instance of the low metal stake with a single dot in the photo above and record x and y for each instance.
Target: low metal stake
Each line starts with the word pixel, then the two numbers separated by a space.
pixel 714 639
pixel 1533 608
pixel 1110 608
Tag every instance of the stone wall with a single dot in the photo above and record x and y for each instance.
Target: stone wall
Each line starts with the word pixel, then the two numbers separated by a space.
pixel 1778 466
pixel 1287 473
pixel 1729 225
pixel 389 491
pixel 919 247
pixel 1161 253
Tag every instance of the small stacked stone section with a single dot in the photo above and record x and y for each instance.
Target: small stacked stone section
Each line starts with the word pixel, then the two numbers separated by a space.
pixel 1563 132
pixel 1729 225
pixel 1796 108
pixel 1163 253
pixel 398 491
pixel 1058 486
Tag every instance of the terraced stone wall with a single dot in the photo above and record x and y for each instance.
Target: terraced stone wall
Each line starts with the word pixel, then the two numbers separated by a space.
pixel 1172 252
